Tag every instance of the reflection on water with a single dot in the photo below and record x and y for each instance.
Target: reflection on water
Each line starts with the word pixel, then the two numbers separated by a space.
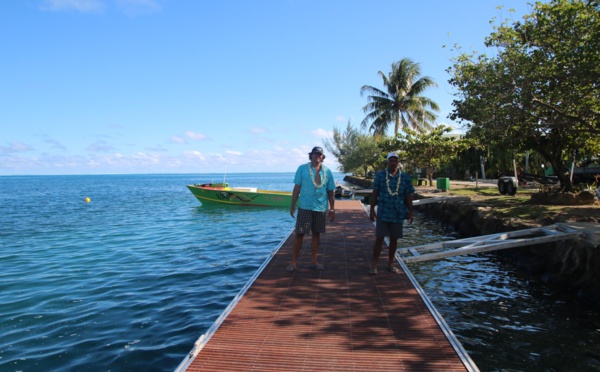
pixel 506 319
pixel 130 280
pixel 127 281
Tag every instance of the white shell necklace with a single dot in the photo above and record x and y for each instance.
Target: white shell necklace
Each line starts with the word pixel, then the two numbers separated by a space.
pixel 313 177
pixel 387 182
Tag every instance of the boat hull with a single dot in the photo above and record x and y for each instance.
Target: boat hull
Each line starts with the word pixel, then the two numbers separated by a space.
pixel 240 196
pixel 343 192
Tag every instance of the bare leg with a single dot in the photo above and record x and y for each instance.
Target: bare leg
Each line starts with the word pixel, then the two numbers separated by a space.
pixel 377 250
pixel 316 240
pixel 296 250
pixel 392 251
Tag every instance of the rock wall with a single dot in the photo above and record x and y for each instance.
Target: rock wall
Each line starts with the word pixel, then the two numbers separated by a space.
pixel 559 198
pixel 571 264
pixel 358 181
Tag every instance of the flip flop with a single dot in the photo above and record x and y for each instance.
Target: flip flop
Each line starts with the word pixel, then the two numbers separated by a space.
pixel 290 268
pixel 318 267
pixel 393 269
pixel 373 271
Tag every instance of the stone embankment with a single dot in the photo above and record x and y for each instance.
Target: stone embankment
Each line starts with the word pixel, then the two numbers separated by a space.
pixel 570 264
pixel 360 182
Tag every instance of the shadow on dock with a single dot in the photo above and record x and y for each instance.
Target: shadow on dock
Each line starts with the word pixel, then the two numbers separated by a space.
pixel 339 319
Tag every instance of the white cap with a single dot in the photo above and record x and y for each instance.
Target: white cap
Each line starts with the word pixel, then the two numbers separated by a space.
pixel 393 154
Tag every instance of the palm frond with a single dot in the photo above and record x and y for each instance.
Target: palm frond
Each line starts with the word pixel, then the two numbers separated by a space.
pixel 402 105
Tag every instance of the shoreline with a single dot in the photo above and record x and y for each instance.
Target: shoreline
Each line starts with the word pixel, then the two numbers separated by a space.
pixel 568 265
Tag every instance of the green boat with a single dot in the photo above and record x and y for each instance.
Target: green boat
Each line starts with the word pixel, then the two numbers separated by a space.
pixel 221 193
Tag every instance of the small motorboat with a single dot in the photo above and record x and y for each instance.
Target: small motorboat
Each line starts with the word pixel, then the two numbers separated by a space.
pixel 343 192
pixel 221 193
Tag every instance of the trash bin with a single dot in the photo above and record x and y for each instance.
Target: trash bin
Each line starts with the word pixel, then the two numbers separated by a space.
pixel 415 180
pixel 443 184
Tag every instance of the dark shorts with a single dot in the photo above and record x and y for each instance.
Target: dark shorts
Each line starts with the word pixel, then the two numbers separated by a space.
pixel 308 221
pixel 392 229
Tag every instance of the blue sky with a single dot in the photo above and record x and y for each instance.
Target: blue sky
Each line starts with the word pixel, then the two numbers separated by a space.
pixel 186 86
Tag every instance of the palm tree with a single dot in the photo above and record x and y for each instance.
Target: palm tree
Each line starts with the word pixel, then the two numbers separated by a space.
pixel 403 103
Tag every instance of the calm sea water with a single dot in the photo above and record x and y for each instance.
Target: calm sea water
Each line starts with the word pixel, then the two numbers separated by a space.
pixel 128 281
pixel 506 319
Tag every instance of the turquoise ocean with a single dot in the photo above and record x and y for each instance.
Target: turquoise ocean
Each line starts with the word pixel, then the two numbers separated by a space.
pixel 130 280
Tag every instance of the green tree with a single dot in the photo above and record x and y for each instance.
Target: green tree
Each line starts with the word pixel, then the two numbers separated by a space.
pixel 364 157
pixel 402 103
pixel 540 89
pixel 355 151
pixel 431 149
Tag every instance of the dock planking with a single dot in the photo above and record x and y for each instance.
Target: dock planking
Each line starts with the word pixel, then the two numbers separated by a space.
pixel 339 319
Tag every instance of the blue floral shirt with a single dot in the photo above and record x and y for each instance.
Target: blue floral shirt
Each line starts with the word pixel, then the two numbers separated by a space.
pixel 392 208
pixel 311 197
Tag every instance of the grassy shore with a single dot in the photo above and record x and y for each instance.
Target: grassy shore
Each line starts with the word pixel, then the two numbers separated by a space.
pixel 517 206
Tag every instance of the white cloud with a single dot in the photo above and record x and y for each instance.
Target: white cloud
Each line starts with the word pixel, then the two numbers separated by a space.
pixel 103 157
pixel 284 159
pixel 322 133
pixel 157 148
pixel 55 144
pixel 15 147
pixel 147 158
pixel 84 6
pixel 340 118
pixel 258 130
pixel 135 7
pixel 100 146
pixel 194 154
pixel 196 136
pixel 177 139
pixel 129 7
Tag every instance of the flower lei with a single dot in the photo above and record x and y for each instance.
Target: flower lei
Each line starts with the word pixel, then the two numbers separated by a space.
pixel 387 182
pixel 313 177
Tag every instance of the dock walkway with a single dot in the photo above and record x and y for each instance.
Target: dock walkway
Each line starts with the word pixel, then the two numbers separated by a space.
pixel 339 319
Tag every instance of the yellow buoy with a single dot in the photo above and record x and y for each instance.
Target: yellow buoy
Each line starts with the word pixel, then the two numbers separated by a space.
pixel 87 200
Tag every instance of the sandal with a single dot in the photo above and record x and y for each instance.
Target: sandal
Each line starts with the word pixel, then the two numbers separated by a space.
pixel 290 268
pixel 373 271
pixel 317 267
pixel 393 269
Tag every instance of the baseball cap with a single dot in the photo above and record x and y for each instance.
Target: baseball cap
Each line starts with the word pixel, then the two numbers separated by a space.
pixel 394 154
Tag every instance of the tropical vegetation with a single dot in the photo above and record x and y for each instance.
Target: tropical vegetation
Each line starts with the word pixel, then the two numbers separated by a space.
pixel 540 90
pixel 535 95
pixel 427 151
pixel 355 151
pixel 430 150
pixel 402 103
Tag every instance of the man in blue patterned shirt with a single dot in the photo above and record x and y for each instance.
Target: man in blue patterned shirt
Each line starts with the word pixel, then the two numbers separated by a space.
pixel 392 193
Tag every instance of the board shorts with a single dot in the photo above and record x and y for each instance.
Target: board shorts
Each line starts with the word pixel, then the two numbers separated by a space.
pixel 308 221
pixel 392 229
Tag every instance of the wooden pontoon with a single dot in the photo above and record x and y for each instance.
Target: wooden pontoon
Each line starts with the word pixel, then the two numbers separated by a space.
pixel 339 319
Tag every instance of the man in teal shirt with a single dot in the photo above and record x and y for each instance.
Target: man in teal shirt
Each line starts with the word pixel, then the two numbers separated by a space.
pixel 314 185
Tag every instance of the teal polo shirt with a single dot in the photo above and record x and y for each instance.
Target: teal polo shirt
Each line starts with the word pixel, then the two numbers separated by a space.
pixel 312 198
